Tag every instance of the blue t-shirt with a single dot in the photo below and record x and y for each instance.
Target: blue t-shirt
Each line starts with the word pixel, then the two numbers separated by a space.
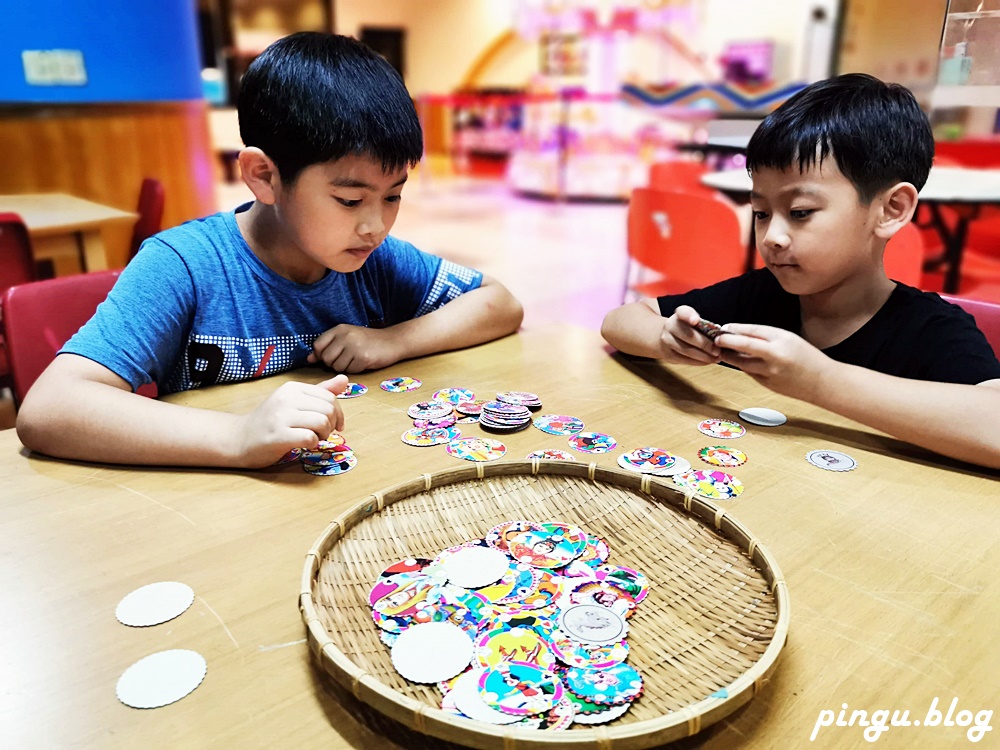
pixel 196 307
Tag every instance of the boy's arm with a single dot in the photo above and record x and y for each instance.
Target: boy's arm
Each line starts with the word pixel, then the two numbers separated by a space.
pixel 639 329
pixel 938 416
pixel 482 314
pixel 81 410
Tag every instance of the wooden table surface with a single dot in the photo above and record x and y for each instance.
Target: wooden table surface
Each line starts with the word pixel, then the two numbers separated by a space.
pixel 891 568
pixel 51 217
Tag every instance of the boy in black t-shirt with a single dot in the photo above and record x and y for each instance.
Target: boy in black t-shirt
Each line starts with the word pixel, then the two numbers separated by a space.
pixel 836 171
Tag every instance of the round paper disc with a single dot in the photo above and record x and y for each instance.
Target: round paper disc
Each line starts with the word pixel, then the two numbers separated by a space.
pixel 431 652
pixel 155 603
pixel 475 567
pixel 161 678
pixel 468 700
pixel 764 417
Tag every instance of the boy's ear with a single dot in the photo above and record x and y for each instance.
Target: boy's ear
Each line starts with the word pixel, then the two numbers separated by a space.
pixel 260 175
pixel 898 205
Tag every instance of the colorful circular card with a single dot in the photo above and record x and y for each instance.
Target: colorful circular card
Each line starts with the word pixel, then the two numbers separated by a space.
pixel 595 553
pixel 647 460
pixel 592 442
pixel 550 454
pixel 353 390
pixel 592 624
pixel 477 449
pixel 520 688
pixel 513 644
pixel 612 686
pixel 519 397
pixel 605 593
pixel 546 591
pixel 292 455
pixel 831 460
pixel 722 429
pixel 500 535
pixel 558 424
pixel 574 654
pixel 714 485
pixel 423 437
pixel 442 422
pixel 634 582
pixel 400 385
pixel 467 700
pixel 470 408
pixel 429 410
pixel 331 469
pixel 454 395
pixel 720 455
pixel 544 548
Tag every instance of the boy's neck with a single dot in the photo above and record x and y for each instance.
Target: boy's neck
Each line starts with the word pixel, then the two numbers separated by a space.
pixel 263 236
pixel 834 314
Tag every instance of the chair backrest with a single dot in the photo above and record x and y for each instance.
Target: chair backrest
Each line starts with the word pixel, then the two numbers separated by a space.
pixel 987 315
pixel 679 177
pixel 904 256
pixel 17 263
pixel 150 210
pixel 689 238
pixel 41 316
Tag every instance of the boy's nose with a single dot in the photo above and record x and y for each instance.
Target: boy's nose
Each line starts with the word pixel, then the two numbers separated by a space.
pixel 371 225
pixel 776 236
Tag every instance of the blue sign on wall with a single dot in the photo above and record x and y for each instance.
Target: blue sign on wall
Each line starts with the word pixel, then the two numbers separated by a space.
pixel 132 51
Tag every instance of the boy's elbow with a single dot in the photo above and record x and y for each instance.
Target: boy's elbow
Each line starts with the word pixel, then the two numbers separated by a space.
pixel 508 309
pixel 33 421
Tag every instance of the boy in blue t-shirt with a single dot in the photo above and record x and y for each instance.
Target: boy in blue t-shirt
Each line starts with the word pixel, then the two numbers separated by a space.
pixel 305 274
pixel 836 170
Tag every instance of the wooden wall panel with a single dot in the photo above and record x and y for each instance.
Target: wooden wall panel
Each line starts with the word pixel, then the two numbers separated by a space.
pixel 103 152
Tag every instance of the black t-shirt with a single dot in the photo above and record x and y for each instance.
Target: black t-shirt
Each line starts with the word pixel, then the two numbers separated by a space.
pixel 914 335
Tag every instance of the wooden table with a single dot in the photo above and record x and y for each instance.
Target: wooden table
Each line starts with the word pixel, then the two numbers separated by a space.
pixel 963 189
pixel 891 568
pixel 66 229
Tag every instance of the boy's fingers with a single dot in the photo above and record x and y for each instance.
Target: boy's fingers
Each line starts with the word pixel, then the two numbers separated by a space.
pixel 687 314
pixel 335 385
pixel 755 330
pixel 754 347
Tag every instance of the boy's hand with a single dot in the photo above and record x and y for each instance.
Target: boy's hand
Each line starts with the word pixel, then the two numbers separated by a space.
pixel 347 348
pixel 684 344
pixel 784 362
pixel 296 415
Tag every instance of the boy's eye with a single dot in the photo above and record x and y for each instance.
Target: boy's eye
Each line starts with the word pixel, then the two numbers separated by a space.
pixel 394 198
pixel 348 203
pixel 759 215
pixel 801 213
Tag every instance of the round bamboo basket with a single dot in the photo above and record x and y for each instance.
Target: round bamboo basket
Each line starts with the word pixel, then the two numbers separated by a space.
pixel 704 639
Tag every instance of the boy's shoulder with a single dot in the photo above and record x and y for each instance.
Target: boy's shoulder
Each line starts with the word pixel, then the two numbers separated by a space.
pixel 217 229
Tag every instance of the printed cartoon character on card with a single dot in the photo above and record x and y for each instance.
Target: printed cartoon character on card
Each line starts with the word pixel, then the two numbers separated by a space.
pixel 606 594
pixel 542 548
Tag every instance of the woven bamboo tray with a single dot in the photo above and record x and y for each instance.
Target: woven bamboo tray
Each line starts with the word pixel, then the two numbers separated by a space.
pixel 704 639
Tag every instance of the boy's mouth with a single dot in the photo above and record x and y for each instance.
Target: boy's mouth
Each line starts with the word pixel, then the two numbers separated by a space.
pixel 360 252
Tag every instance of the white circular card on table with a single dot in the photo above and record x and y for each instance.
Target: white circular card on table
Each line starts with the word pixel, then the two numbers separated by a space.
pixel 155 603
pixel 161 678
pixel 475 567
pixel 764 417
pixel 831 460
pixel 431 652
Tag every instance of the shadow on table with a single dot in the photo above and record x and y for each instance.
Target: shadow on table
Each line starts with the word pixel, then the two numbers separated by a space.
pixel 686 397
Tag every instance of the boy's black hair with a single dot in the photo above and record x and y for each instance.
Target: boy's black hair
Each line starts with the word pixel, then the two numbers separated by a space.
pixel 875 131
pixel 311 98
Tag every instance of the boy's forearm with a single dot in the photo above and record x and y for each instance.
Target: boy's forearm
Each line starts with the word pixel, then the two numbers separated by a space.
pixel 941 417
pixel 106 424
pixel 475 317
pixel 634 329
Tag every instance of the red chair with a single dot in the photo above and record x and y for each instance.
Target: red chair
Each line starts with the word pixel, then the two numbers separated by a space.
pixel 691 240
pixel 151 199
pixel 987 317
pixel 17 266
pixel 38 318
pixel 680 177
pixel 904 256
